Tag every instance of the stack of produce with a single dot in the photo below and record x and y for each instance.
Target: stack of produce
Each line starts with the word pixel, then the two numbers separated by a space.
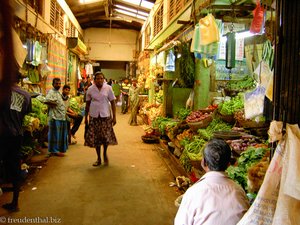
pixel 231 106
pixel 151 111
pixel 164 124
pixel 215 125
pixel 199 119
pixel 251 156
pixel 240 145
pixel 241 85
pixel 181 127
pixel 256 174
pixel 183 113
pixel 199 115
pixel 36 119
pixel 185 135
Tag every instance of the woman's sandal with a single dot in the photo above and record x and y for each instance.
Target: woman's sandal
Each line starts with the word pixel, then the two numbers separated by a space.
pixel 97 163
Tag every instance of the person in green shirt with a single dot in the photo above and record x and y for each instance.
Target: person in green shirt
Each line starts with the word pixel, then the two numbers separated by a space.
pixel 117 90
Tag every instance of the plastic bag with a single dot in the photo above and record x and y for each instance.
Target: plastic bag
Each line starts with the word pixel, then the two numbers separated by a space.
pixel 254 102
pixel 208 28
pixel 258 18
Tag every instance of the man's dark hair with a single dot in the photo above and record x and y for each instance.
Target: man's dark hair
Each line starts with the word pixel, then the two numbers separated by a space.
pixel 66 86
pixel 217 154
pixel 99 73
pixel 55 79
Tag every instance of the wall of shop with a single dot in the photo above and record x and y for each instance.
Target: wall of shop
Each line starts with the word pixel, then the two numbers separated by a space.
pixel 115 74
pixel 111 44
pixel 42 23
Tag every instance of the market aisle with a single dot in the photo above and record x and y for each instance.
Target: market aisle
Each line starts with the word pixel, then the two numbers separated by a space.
pixel 132 190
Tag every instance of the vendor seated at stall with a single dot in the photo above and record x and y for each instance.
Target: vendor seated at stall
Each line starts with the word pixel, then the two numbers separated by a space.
pixel 72 117
pixel 215 198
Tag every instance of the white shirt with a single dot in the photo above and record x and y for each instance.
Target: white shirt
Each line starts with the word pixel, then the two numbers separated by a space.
pixel 214 200
pixel 100 100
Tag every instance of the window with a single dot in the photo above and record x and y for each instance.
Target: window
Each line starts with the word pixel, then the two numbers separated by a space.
pixel 175 6
pixel 71 29
pixel 37 5
pixel 56 16
pixel 158 20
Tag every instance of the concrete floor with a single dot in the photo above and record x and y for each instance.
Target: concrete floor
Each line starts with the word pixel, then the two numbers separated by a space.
pixel 132 190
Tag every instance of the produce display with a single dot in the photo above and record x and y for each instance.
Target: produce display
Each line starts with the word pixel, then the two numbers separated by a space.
pixel 181 127
pixel 240 85
pixel 240 145
pixel 151 111
pixel 231 106
pixel 256 174
pixel 198 115
pixel 248 158
pixel 163 124
pixel 36 119
pixel 195 148
pixel 183 113
pixel 75 105
pixel 215 125
pixel 186 134
pixel 185 161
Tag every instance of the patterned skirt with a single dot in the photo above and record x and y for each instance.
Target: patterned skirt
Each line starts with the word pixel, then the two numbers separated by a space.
pixel 100 131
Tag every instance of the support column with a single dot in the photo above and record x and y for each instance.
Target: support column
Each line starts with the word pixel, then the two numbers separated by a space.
pixel 201 85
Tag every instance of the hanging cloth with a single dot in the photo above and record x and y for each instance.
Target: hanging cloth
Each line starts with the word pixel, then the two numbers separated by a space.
pixel 89 69
pixel 170 62
pixel 30 50
pixel 37 54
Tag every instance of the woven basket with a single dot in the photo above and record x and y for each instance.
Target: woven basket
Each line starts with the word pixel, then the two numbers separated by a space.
pixel 201 124
pixel 227 118
pixel 252 124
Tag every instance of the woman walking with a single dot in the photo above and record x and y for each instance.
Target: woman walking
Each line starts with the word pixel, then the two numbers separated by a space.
pixel 100 103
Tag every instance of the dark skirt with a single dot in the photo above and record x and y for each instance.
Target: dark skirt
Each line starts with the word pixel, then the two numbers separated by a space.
pixel 100 132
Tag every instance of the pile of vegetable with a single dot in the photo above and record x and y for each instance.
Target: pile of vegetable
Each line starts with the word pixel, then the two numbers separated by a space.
pixel 240 85
pixel 164 124
pixel 183 113
pixel 152 111
pixel 74 105
pixel 195 148
pixel 36 119
pixel 181 127
pixel 248 158
pixel 240 145
pixel 215 125
pixel 231 106
pixel 198 115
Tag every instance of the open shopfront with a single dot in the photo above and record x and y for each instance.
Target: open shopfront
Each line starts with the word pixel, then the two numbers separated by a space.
pixel 226 66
